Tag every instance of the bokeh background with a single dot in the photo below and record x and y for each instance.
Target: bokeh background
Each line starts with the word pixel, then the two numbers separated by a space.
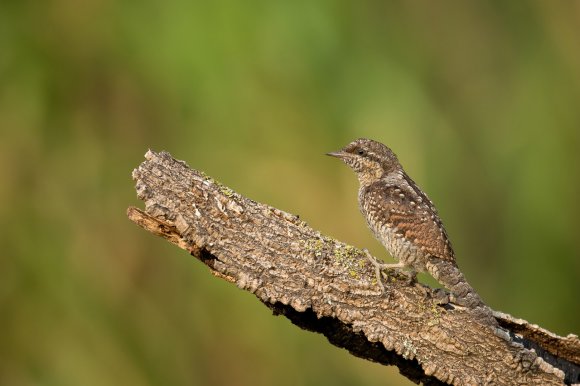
pixel 480 100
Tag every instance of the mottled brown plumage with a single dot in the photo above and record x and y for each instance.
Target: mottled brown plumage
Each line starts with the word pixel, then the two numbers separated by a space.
pixel 403 218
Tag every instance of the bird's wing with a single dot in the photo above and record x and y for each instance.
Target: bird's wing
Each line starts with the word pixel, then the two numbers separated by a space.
pixel 410 212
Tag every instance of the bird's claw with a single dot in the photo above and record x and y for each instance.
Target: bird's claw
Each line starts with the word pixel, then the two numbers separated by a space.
pixel 382 271
pixel 378 271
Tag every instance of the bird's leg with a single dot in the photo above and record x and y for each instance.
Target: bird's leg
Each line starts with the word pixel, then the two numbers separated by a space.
pixel 379 267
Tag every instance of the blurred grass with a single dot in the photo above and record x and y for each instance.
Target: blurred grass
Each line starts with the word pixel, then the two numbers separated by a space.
pixel 479 100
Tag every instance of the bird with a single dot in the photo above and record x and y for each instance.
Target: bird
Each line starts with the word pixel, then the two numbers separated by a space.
pixel 405 221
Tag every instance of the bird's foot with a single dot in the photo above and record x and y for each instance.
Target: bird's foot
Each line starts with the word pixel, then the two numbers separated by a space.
pixel 381 271
pixel 378 271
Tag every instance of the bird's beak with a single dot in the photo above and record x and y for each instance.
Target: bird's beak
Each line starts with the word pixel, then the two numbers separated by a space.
pixel 338 154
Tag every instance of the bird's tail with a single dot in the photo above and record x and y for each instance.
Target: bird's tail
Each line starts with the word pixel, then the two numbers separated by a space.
pixel 448 274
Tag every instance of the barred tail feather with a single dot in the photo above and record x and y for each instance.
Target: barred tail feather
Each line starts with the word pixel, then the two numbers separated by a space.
pixel 448 274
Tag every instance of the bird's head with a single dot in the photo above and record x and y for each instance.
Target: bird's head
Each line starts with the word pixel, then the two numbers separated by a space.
pixel 369 159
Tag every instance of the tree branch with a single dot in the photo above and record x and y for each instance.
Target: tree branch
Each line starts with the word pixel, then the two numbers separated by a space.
pixel 326 286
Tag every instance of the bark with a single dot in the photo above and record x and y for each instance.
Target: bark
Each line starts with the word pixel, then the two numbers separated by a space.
pixel 326 286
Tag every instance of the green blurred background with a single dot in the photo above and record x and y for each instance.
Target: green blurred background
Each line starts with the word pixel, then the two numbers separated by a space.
pixel 480 100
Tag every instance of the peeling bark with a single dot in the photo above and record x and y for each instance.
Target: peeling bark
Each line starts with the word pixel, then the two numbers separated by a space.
pixel 326 286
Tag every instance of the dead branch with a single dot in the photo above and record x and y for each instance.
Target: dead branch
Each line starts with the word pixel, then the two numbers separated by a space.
pixel 326 286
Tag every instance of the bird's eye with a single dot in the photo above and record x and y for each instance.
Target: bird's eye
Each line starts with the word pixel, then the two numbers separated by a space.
pixel 360 152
